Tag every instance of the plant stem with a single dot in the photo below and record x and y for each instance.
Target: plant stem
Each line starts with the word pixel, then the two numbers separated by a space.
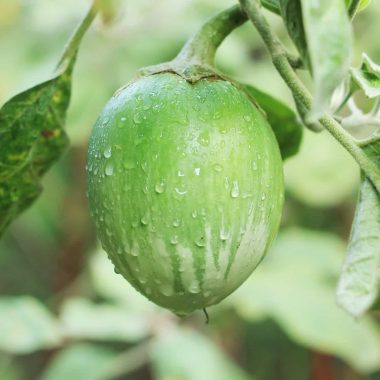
pixel 345 100
pixel 301 94
pixel 129 361
pixel 72 45
pixel 196 59
pixel 295 61
pixel 201 48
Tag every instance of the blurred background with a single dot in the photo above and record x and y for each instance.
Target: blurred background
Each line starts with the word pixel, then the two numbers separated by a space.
pixel 65 314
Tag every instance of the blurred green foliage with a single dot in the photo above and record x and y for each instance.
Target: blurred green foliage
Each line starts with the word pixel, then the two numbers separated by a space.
pixel 64 313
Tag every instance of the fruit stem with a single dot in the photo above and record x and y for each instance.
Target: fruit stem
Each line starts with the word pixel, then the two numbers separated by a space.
pixel 301 94
pixel 201 48
pixel 206 316
pixel 72 45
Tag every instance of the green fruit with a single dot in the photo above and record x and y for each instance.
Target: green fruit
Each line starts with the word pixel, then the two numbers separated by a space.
pixel 185 185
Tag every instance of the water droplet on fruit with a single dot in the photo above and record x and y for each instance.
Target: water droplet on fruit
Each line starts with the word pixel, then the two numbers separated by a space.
pixel 109 169
pixel 235 189
pixel 217 115
pixel 166 290
pixel 123 119
pixel 180 190
pixel 200 242
pixel 160 187
pixel 224 235
pixel 263 197
pixel 107 152
pixel 144 166
pixel 194 287
pixel 247 118
pixel 144 219
pixel 254 165
pixel 204 139
pixel 174 240
pixel 176 222
pixel 135 250
pixel 197 171
pixel 180 173
pixel 194 214
pixel 217 167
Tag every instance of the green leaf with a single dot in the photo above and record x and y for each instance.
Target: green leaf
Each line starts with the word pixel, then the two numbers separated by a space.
pixel 185 354
pixel 272 5
pixel 359 283
pixel 284 122
pixel 82 319
pixel 356 6
pixel 32 139
pixel 81 361
pixel 292 15
pixel 295 286
pixel 363 4
pixel 26 326
pixel 32 135
pixel 367 77
pixel 329 41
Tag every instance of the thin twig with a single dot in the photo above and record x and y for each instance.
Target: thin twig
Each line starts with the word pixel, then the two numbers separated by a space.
pixel 74 41
pixel 128 361
pixel 206 315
